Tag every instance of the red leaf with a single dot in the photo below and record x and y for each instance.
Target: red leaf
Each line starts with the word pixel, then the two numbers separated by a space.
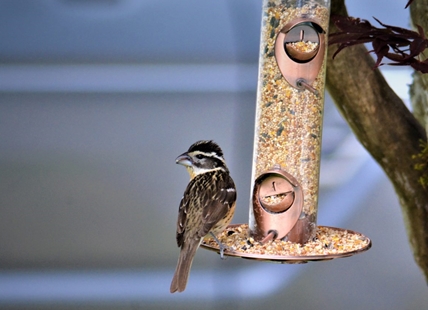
pixel 417 47
pixel 399 45
pixel 420 66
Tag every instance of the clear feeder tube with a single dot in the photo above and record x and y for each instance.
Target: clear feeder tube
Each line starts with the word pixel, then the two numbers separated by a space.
pixel 290 102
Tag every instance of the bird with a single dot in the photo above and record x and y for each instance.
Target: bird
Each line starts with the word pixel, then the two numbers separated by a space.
pixel 207 206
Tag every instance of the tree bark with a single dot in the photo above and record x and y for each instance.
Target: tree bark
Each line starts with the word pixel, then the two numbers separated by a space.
pixel 419 87
pixel 385 127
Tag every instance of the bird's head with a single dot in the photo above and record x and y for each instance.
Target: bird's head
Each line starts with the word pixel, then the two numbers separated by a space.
pixel 202 156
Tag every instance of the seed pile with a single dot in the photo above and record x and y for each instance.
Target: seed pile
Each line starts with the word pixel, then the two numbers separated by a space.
pixel 304 47
pixel 273 199
pixel 327 241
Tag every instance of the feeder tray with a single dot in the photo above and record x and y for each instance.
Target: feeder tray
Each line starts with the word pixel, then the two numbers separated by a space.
pixel 330 243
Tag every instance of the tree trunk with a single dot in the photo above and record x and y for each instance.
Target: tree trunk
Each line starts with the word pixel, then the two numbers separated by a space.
pixel 419 88
pixel 385 127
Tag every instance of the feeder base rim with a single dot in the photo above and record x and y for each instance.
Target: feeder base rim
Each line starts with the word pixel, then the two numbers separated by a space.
pixel 289 259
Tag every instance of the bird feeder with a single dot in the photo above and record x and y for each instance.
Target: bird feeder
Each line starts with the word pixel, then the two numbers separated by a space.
pixel 287 142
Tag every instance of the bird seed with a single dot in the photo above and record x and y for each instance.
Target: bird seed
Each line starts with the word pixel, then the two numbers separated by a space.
pixel 327 241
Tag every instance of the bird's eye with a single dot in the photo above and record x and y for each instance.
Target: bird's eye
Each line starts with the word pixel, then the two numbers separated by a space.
pixel 199 156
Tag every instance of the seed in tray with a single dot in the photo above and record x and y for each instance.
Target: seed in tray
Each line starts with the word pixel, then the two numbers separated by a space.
pixel 327 241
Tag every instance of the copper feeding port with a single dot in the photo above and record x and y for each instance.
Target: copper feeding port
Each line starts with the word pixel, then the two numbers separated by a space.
pixel 276 194
pixel 299 52
pixel 302 42
pixel 277 204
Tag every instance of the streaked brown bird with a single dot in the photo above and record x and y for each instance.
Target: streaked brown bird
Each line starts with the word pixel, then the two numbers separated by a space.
pixel 207 206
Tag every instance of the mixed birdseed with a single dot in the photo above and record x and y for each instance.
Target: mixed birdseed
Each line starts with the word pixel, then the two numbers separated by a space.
pixel 289 120
pixel 327 241
pixel 273 199
pixel 304 47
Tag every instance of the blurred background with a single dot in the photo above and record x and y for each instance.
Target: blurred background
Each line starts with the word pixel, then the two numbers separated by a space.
pixel 98 97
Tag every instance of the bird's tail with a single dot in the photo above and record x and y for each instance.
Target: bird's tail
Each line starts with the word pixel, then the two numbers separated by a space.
pixel 187 253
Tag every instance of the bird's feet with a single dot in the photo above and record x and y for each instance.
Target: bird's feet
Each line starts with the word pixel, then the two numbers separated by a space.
pixel 221 246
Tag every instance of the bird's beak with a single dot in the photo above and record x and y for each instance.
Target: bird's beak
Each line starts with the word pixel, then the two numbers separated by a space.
pixel 184 159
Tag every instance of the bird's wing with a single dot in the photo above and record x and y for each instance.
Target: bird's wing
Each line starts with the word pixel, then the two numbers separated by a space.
pixel 212 199
pixel 219 198
pixel 182 213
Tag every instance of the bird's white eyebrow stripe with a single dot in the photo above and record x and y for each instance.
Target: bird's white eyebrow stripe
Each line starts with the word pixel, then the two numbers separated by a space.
pixel 212 154
pixel 231 190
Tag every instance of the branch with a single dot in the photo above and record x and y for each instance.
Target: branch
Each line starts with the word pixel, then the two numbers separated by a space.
pixel 385 127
